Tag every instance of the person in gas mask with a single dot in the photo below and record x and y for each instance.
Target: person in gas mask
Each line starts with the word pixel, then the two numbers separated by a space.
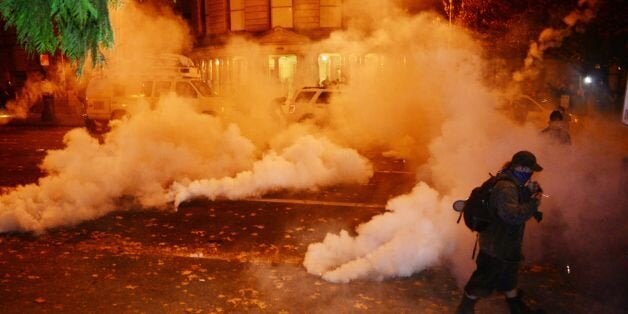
pixel 515 198
pixel 557 130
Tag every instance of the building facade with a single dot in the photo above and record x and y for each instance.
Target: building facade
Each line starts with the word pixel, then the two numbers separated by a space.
pixel 15 62
pixel 283 34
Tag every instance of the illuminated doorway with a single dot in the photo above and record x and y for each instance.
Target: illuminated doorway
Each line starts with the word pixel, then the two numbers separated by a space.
pixel 329 68
pixel 283 68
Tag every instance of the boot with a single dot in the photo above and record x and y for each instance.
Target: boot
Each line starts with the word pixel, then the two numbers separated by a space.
pixel 466 306
pixel 517 306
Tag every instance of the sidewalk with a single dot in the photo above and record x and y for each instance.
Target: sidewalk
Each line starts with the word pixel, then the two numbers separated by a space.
pixel 63 114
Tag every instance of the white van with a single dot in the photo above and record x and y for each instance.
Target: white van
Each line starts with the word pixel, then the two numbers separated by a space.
pixel 111 97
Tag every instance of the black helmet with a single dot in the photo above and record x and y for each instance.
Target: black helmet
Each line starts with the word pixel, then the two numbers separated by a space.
pixel 556 116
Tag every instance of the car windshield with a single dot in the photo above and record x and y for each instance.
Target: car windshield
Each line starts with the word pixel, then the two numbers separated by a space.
pixel 304 96
pixel 202 88
pixel 184 89
pixel 324 98
pixel 530 104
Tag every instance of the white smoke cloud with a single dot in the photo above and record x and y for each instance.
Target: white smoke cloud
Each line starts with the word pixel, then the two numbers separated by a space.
pixel 413 75
pixel 458 138
pixel 584 182
pixel 412 236
pixel 139 159
pixel 552 38
pixel 139 36
pixel 429 97
pixel 144 154
pixel 138 30
pixel 33 91
pixel 309 163
pixel 425 99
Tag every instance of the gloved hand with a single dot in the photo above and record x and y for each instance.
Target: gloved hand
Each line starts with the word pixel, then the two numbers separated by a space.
pixel 536 202
pixel 534 187
pixel 538 215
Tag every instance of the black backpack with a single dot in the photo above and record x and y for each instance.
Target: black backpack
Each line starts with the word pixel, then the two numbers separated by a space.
pixel 476 212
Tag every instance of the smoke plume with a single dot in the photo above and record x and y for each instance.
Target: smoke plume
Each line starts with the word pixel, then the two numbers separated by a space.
pixel 88 179
pixel 33 91
pixel 438 101
pixel 411 236
pixel 552 38
pixel 144 154
pixel 307 164
pixel 138 161
pixel 139 36
pixel 415 90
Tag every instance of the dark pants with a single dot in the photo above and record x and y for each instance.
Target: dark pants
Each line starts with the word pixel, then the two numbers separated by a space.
pixel 492 274
pixel 47 111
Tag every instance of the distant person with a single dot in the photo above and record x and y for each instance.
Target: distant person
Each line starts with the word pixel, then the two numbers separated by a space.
pixel 557 130
pixel 566 116
pixel 513 201
pixel 4 97
pixel 7 93
pixel 47 90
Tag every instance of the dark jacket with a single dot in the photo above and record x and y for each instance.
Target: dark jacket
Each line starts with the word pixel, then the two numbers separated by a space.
pixel 557 133
pixel 511 205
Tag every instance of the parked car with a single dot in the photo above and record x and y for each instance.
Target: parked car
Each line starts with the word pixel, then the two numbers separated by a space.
pixel 527 109
pixel 309 103
pixel 112 97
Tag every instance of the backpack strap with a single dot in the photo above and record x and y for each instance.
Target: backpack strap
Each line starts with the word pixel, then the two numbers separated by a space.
pixel 495 179
pixel 520 194
pixel 500 177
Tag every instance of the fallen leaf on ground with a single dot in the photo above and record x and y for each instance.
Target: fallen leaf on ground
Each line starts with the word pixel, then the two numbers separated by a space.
pixel 261 304
pixel 360 306
pixel 234 300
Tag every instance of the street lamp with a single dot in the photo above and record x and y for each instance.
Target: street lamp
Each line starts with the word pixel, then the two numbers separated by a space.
pixel 587 80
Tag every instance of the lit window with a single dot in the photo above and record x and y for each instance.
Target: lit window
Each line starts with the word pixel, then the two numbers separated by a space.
pixel 237 15
pixel 147 88
pixel 329 68
pixel 283 68
pixel 281 13
pixel 239 67
pixel 287 67
pixel 331 13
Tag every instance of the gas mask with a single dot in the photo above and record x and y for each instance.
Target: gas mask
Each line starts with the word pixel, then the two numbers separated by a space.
pixel 522 176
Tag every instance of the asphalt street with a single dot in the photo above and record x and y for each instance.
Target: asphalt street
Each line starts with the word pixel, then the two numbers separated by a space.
pixel 227 256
